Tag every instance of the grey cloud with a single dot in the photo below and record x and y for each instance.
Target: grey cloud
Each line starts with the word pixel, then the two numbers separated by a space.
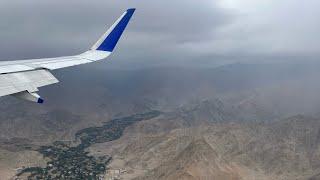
pixel 161 31
pixel 49 28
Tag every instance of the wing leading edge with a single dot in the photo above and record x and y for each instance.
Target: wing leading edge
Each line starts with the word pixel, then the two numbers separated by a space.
pixel 23 78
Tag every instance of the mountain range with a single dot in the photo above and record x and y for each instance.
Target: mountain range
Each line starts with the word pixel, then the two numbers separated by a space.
pixel 237 121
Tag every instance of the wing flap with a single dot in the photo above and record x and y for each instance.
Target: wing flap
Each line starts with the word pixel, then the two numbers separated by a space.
pixel 25 81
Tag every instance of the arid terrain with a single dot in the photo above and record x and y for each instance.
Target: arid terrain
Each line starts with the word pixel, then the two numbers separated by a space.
pixel 286 149
pixel 240 121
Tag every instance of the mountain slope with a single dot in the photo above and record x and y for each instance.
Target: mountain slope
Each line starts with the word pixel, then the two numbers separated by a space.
pixel 196 161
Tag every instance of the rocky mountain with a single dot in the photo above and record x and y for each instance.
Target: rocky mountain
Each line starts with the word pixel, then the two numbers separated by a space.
pixel 286 149
pixel 197 160
pixel 236 121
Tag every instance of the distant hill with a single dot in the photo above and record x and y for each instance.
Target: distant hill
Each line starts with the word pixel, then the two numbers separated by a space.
pixel 90 96
pixel 244 115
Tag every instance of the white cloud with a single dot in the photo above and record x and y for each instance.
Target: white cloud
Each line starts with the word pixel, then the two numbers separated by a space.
pixel 273 26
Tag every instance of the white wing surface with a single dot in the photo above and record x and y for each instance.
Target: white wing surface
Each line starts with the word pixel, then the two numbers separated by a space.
pixel 22 78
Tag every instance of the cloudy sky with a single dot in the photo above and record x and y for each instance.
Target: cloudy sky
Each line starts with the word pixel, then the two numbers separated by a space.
pixel 162 32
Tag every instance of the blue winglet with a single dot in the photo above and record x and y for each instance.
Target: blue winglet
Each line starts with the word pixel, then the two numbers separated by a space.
pixel 115 33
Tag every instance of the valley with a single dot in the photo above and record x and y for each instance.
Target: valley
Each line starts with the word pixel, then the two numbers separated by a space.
pixel 73 162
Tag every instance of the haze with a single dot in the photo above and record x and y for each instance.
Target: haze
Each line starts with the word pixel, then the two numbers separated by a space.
pixel 225 89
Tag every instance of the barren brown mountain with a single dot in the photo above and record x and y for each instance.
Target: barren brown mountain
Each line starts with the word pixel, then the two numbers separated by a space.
pixel 240 121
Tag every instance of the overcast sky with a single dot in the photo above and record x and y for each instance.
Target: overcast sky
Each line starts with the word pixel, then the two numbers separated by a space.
pixel 162 32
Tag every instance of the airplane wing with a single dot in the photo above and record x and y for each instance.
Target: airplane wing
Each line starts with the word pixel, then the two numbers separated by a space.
pixel 22 78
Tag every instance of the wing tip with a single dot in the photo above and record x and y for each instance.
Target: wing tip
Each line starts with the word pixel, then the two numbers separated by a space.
pixel 131 10
pixel 40 101
pixel 110 39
